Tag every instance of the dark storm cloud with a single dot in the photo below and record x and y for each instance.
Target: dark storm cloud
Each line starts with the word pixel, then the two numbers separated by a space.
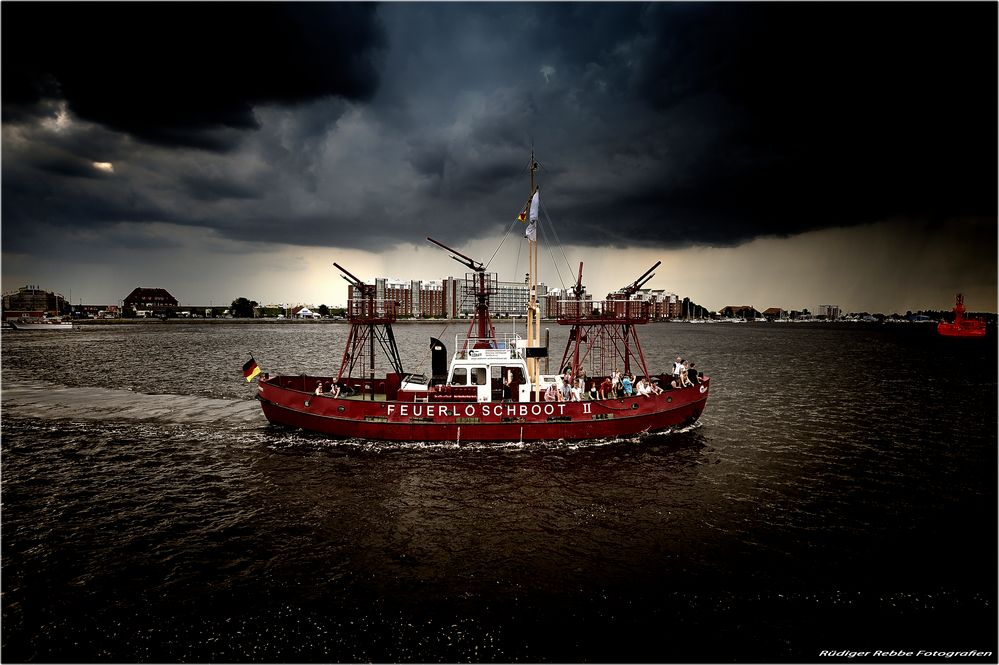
pixel 707 123
pixel 833 113
pixel 177 73
pixel 216 189
pixel 367 125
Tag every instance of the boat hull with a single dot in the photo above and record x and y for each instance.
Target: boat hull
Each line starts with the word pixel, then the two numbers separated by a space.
pixel 480 421
pixel 49 327
pixel 964 329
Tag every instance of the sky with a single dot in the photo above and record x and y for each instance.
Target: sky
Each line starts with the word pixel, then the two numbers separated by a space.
pixel 769 154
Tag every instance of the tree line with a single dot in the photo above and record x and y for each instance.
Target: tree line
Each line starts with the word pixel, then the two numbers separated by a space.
pixel 244 308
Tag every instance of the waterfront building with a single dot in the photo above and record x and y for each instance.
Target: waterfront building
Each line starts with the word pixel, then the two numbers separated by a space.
pixel 551 299
pixel 304 312
pixel 413 298
pixel 829 312
pixel 449 297
pixel 509 299
pixel 153 300
pixel 662 304
pixel 430 296
pixel 454 297
pixel 747 312
pixel 96 311
pixel 34 299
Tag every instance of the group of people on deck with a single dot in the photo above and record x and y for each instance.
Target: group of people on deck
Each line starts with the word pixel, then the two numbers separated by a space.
pixel 684 374
pixel 568 389
pixel 334 390
pixel 627 385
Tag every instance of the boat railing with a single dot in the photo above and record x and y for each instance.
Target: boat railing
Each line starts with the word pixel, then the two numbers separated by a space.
pixel 573 312
pixel 504 346
pixel 372 309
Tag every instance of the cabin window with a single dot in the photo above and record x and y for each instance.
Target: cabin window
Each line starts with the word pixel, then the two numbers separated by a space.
pixel 478 376
pixel 460 377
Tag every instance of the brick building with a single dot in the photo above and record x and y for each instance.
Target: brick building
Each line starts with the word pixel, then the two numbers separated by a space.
pixel 661 303
pixel 150 299
pixel 454 297
pixel 450 297
pixel 414 298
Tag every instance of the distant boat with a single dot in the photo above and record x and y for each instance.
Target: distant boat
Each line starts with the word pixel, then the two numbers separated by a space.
pixel 25 323
pixel 961 327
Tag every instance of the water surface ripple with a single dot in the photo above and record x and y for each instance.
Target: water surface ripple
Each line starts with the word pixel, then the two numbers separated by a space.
pixel 839 492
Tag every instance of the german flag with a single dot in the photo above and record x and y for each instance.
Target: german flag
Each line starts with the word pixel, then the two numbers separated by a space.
pixel 250 369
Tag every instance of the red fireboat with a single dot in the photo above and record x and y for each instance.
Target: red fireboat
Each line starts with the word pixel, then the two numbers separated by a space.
pixel 961 327
pixel 493 389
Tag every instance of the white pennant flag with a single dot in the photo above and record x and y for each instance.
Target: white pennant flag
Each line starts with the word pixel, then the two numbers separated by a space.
pixel 531 233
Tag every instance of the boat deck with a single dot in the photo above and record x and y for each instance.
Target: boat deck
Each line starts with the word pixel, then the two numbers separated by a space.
pixel 366 397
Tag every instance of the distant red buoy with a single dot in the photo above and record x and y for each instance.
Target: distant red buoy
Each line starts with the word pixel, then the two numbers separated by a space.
pixel 961 327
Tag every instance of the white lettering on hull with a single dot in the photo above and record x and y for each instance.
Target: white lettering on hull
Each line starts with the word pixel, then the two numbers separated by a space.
pixel 484 410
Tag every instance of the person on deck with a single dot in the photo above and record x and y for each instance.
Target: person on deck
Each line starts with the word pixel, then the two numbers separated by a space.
pixel 685 380
pixel 692 375
pixel 678 366
pixel 319 387
pixel 626 384
pixel 551 394
pixel 565 391
pixel 594 393
pixel 509 387
pixel 606 388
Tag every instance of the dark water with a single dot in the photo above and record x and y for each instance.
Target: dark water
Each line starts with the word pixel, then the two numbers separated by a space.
pixel 839 493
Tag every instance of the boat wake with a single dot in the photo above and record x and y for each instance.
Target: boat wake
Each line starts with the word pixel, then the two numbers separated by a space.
pixel 50 401
pixel 291 439
pixel 38 399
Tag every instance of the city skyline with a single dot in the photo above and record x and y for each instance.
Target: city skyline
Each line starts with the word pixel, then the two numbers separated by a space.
pixel 781 154
pixel 431 299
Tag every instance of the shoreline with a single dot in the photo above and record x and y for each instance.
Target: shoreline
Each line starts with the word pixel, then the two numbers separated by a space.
pixel 497 323
pixel 269 321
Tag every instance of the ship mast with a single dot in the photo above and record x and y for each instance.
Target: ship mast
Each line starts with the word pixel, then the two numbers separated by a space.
pixel 959 310
pixel 533 313
pixel 482 284
pixel 370 321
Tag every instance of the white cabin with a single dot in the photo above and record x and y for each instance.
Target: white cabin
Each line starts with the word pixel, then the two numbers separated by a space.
pixel 491 371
